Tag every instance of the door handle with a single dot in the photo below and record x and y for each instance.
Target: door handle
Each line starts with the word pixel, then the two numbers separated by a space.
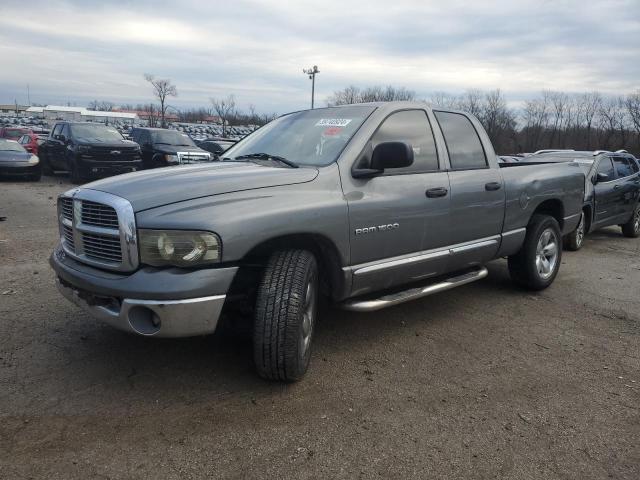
pixel 492 186
pixel 617 187
pixel 436 192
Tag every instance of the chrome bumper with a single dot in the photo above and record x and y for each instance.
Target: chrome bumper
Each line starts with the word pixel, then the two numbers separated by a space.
pixel 158 318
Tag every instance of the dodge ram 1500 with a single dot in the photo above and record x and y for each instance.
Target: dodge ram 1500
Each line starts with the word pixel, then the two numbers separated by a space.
pixel 369 205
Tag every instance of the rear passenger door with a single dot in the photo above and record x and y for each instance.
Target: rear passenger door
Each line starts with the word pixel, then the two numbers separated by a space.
pixel 627 185
pixel 393 219
pixel 477 193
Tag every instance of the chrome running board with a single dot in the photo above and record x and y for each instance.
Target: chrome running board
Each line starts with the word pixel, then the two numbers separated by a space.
pixel 370 305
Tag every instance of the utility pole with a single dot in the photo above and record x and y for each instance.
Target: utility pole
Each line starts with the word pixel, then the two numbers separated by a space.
pixel 312 76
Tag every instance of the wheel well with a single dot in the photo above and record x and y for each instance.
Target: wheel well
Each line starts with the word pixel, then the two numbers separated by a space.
pixel 326 253
pixel 553 208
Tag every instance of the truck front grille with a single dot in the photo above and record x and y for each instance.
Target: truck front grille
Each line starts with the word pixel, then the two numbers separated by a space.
pixel 113 154
pixel 98 228
pixel 99 215
pixel 102 247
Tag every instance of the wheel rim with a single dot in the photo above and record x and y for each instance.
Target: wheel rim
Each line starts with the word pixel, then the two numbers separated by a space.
pixel 308 315
pixel 580 231
pixel 636 222
pixel 547 253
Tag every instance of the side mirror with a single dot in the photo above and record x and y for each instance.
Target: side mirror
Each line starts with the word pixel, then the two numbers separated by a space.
pixel 601 177
pixel 386 155
pixel 391 155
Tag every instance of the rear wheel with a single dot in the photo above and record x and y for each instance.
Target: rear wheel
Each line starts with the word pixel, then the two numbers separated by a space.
pixel 537 263
pixel 575 239
pixel 286 309
pixel 631 229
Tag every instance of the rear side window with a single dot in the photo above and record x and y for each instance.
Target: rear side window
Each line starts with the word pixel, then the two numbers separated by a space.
pixel 622 166
pixel 463 143
pixel 605 166
pixel 634 165
pixel 412 127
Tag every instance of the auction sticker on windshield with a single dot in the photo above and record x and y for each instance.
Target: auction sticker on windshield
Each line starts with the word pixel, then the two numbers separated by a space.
pixel 333 122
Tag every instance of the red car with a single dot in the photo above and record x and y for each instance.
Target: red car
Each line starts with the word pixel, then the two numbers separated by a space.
pixel 13 133
pixel 31 142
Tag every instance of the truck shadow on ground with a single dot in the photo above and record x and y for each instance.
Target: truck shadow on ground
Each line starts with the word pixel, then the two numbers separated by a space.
pixel 193 369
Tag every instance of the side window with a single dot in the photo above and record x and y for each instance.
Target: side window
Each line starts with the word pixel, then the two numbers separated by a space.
pixel 463 143
pixel 23 140
pixel 634 165
pixel 605 166
pixel 622 166
pixel 56 130
pixel 412 127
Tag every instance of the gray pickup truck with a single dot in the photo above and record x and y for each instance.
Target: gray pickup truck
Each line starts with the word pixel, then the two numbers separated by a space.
pixel 367 205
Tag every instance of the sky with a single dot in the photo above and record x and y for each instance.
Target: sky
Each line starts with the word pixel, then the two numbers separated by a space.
pixel 77 51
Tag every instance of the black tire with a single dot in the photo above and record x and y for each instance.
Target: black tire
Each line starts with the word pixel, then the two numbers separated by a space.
pixel 74 172
pixel 284 320
pixel 631 229
pixel 45 165
pixel 524 266
pixel 575 239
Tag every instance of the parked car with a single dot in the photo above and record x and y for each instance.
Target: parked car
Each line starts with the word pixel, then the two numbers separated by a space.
pixel 88 150
pixel 161 147
pixel 13 133
pixel 31 142
pixel 612 190
pixel 371 205
pixel 15 160
pixel 215 146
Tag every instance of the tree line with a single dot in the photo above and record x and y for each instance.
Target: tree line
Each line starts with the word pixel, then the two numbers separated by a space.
pixel 552 119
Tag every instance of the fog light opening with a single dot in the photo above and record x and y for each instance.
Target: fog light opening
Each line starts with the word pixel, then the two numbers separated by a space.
pixel 144 321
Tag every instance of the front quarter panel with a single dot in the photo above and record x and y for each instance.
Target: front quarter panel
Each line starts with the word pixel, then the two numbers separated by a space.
pixel 245 219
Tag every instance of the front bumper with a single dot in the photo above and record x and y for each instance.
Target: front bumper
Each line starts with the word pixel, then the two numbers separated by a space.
pixel 19 168
pixel 151 301
pixel 100 167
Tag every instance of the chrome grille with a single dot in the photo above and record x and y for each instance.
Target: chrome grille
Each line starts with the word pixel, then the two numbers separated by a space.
pixel 67 235
pixel 97 214
pixel 102 247
pixel 98 229
pixel 67 208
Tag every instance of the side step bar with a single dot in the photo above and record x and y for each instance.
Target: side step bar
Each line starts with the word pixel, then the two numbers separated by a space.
pixel 360 305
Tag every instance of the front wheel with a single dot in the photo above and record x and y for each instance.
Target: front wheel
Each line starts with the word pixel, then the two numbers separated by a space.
pixel 537 263
pixel 631 229
pixel 285 314
pixel 575 239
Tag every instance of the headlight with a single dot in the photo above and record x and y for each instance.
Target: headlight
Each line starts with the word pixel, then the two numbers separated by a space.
pixel 172 159
pixel 84 149
pixel 179 248
pixel 34 160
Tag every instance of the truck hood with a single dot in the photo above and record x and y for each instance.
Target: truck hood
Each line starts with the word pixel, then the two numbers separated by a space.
pixel 163 186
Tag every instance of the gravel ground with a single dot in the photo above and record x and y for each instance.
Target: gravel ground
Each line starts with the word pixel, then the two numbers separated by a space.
pixel 483 381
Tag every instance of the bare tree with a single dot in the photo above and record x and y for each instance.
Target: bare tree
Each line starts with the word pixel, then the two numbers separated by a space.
pixel 591 102
pixel 632 104
pixel 101 106
pixel 225 108
pixel 162 88
pixel 353 94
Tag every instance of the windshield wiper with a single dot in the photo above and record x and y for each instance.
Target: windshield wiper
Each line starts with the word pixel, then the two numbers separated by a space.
pixel 267 156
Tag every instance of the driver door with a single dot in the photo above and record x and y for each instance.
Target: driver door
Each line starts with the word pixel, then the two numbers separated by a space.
pixel 395 216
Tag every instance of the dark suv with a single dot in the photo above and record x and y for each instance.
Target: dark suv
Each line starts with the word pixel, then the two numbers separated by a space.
pixel 88 150
pixel 162 147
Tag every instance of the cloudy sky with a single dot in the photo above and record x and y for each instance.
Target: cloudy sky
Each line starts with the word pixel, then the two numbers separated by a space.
pixel 75 51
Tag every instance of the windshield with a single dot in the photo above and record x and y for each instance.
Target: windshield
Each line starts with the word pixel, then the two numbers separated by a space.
pixel 6 146
pixel 312 137
pixel 172 137
pixel 95 133
pixel 14 133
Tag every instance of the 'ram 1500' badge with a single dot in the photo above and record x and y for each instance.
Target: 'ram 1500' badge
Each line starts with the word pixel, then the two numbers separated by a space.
pixel 379 228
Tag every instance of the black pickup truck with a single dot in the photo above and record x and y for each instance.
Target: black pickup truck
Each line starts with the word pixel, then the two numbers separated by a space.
pixel 612 191
pixel 88 150
pixel 163 148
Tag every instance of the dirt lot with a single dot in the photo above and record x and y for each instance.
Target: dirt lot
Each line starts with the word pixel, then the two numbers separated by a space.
pixel 483 381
